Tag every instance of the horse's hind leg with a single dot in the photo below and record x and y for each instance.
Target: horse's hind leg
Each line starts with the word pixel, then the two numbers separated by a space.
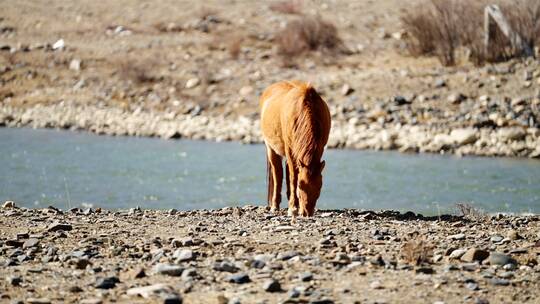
pixel 275 179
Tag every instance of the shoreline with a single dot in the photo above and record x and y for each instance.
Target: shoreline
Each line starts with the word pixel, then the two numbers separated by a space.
pixel 247 255
pixel 345 133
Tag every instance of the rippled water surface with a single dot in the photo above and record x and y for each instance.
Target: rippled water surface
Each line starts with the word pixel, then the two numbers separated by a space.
pixel 39 168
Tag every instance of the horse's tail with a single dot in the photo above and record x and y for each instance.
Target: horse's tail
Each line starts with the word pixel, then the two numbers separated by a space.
pixel 270 181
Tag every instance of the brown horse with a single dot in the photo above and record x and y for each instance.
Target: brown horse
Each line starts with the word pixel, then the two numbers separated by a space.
pixel 295 124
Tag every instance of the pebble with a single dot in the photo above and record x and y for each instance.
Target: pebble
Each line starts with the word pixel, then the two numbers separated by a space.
pixel 499 282
pixel 106 283
pixel 168 269
pixel 496 238
pixel 376 285
pixel 457 254
pixel 457 237
pixel 184 255
pixel 287 255
pixel 59 227
pixel 191 83
pixel 271 285
pixel 75 65
pixel 91 301
pixel 474 254
pixel 305 276
pixel 150 290
pixel 14 280
pixel 496 258
pixel 240 278
pixel 225 266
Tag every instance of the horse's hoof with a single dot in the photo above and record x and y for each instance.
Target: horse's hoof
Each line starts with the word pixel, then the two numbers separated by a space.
pixel 274 209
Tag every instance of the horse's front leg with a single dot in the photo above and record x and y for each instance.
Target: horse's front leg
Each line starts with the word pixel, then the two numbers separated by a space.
pixel 292 180
pixel 276 176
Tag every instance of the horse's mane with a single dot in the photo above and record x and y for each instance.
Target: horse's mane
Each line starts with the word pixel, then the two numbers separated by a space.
pixel 308 129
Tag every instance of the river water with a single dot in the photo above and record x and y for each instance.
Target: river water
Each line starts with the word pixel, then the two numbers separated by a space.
pixel 65 169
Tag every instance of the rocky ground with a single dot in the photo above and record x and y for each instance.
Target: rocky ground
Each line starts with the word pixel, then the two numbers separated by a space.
pixel 247 255
pixel 184 69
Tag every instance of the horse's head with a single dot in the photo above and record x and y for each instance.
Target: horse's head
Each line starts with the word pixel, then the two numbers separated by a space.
pixel 309 186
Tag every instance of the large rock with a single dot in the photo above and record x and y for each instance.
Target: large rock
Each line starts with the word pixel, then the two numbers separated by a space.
pixel 507 134
pixel 464 136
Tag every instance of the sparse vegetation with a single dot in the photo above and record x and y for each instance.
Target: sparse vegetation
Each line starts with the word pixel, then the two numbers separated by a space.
pixel 470 212
pixel 417 251
pixel 308 33
pixel 137 71
pixel 442 27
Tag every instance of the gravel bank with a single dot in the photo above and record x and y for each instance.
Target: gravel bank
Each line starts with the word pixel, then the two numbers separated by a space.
pixel 247 255
pixel 349 129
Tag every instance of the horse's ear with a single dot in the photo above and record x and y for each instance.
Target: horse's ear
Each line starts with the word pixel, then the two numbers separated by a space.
pixel 322 165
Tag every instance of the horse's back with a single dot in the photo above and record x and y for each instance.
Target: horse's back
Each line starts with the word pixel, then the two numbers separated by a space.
pixel 281 105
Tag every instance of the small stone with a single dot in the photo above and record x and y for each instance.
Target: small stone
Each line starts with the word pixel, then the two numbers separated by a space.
pixel 496 238
pixel 191 83
pixel 225 266
pixel 474 254
pixel 59 45
pixel 286 255
pixel 38 301
pixel 246 91
pixel 457 254
pixel 376 285
pixel 439 83
pixel 8 205
pixel 75 289
pixel 496 258
pixel 184 255
pixel 499 282
pixel 513 235
pixel 172 299
pixel 401 100
pixel 137 273
pixel 75 65
pixel 272 285
pixel 33 242
pixel 346 90
pixel 106 283
pixel 456 98
pixel 425 270
pixel 151 290
pixel 14 281
pixel 457 237
pixel 81 263
pixel 240 278
pixel 189 274
pixel 91 301
pixel 305 276
pixel 59 226
pixel 471 284
pixel 168 269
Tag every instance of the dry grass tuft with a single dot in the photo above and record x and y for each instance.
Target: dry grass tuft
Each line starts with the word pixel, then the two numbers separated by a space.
pixel 137 71
pixel 441 27
pixel 308 34
pixel 234 45
pixel 417 252
pixel 292 7
pixel 470 212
